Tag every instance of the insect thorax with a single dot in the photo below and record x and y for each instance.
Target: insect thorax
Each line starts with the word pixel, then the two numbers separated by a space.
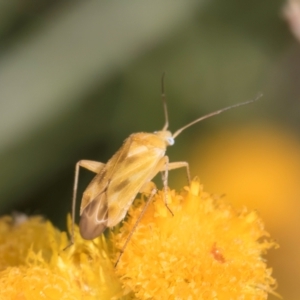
pixel 158 139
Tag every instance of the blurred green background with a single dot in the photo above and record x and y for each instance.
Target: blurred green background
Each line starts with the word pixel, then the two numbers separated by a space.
pixel 77 77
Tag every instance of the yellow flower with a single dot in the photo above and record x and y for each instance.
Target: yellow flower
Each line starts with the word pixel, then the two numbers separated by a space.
pixel 258 165
pixel 35 266
pixel 206 250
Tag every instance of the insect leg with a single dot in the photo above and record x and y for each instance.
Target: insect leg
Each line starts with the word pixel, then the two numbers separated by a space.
pixel 165 175
pixel 93 166
pixel 181 164
pixel 153 192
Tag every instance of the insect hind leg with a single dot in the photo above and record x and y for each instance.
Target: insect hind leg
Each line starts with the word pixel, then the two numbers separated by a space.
pixel 152 193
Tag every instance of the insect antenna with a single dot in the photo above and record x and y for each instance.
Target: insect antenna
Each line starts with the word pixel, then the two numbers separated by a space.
pixel 214 113
pixel 163 97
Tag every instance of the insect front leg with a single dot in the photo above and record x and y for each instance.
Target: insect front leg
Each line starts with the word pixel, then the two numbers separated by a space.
pixel 93 166
pixel 181 164
pixel 165 174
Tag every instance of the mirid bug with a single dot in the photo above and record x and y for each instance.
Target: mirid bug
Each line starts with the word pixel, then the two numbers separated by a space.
pixel 109 195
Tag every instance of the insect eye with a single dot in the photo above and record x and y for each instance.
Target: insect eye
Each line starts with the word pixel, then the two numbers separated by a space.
pixel 170 141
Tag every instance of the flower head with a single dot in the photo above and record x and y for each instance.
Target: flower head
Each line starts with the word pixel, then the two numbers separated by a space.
pixel 206 250
pixel 34 264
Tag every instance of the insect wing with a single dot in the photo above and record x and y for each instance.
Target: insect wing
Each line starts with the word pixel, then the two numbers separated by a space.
pixel 93 220
pixel 100 182
pixel 108 197
pixel 138 168
pixel 94 204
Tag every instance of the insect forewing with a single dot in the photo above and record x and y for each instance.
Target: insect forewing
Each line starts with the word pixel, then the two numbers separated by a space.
pixel 139 167
pixel 94 203
pixel 93 220
pixel 110 194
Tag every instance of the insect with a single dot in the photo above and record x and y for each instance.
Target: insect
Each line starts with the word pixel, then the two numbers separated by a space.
pixel 111 192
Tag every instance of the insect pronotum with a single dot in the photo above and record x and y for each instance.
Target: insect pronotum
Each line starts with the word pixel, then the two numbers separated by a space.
pixel 109 195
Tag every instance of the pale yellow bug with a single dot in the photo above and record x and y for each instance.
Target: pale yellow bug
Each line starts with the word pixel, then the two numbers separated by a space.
pixel 109 195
